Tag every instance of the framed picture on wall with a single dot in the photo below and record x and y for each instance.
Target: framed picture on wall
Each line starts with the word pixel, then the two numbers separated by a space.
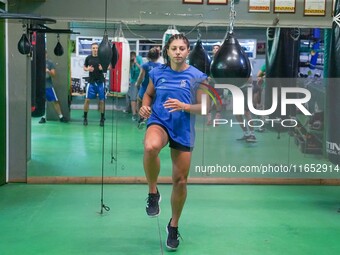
pixel 217 1
pixel 259 6
pixel 315 8
pixel 192 1
pixel 284 6
pixel 261 48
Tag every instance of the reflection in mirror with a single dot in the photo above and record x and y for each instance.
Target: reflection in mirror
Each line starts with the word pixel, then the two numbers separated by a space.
pixel 224 152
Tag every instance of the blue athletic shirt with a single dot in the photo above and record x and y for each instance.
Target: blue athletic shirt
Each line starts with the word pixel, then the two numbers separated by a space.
pixel 148 66
pixel 179 85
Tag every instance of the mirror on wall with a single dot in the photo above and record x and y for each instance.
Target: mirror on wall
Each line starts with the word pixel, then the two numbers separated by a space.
pixel 72 150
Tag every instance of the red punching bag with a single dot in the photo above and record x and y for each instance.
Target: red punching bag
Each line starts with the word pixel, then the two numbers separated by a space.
pixel 231 64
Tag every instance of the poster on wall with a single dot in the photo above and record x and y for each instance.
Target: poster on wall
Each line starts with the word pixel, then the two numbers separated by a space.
pixel 315 8
pixel 192 1
pixel 217 1
pixel 259 6
pixel 284 6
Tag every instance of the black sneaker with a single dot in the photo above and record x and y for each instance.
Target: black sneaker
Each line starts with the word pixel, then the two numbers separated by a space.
pixel 85 122
pixel 42 120
pixel 251 139
pixel 243 138
pixel 172 241
pixel 62 119
pixel 152 204
pixel 101 123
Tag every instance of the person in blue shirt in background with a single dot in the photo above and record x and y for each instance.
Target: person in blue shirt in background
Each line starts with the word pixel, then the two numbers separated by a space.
pixel 143 79
pixel 171 99
pixel 135 66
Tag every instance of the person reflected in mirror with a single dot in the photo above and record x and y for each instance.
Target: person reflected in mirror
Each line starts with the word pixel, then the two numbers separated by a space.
pixel 143 79
pixel 96 84
pixel 244 120
pixel 135 67
pixel 261 76
pixel 51 95
pixel 171 100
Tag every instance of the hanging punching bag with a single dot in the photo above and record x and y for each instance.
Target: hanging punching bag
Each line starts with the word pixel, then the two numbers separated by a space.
pixel 58 49
pixel 105 52
pixel 119 75
pixel 115 55
pixel 231 64
pixel 38 77
pixel 24 45
pixel 168 33
pixel 282 63
pixel 333 93
pixel 199 58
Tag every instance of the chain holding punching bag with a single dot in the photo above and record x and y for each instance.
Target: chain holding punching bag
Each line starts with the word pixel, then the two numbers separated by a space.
pixel 231 64
pixel 199 58
pixel 333 92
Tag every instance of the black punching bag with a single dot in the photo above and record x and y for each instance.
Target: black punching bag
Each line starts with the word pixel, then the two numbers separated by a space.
pixel 282 65
pixel 231 64
pixel 333 93
pixel 199 58
pixel 115 55
pixel 105 53
pixel 24 45
pixel 38 74
pixel 58 49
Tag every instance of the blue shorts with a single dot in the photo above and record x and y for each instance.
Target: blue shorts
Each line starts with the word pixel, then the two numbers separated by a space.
pixel 173 144
pixel 94 89
pixel 51 96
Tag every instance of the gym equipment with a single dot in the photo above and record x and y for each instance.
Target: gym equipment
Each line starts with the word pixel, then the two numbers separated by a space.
pixel 105 52
pixel 104 49
pixel 38 74
pixel 58 49
pixel 231 64
pixel 282 63
pixel 115 55
pixel 199 58
pixel 119 75
pixel 333 91
pixel 24 45
pixel 168 33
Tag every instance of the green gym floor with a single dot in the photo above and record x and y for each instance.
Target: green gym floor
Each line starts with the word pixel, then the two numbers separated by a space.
pixel 65 219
